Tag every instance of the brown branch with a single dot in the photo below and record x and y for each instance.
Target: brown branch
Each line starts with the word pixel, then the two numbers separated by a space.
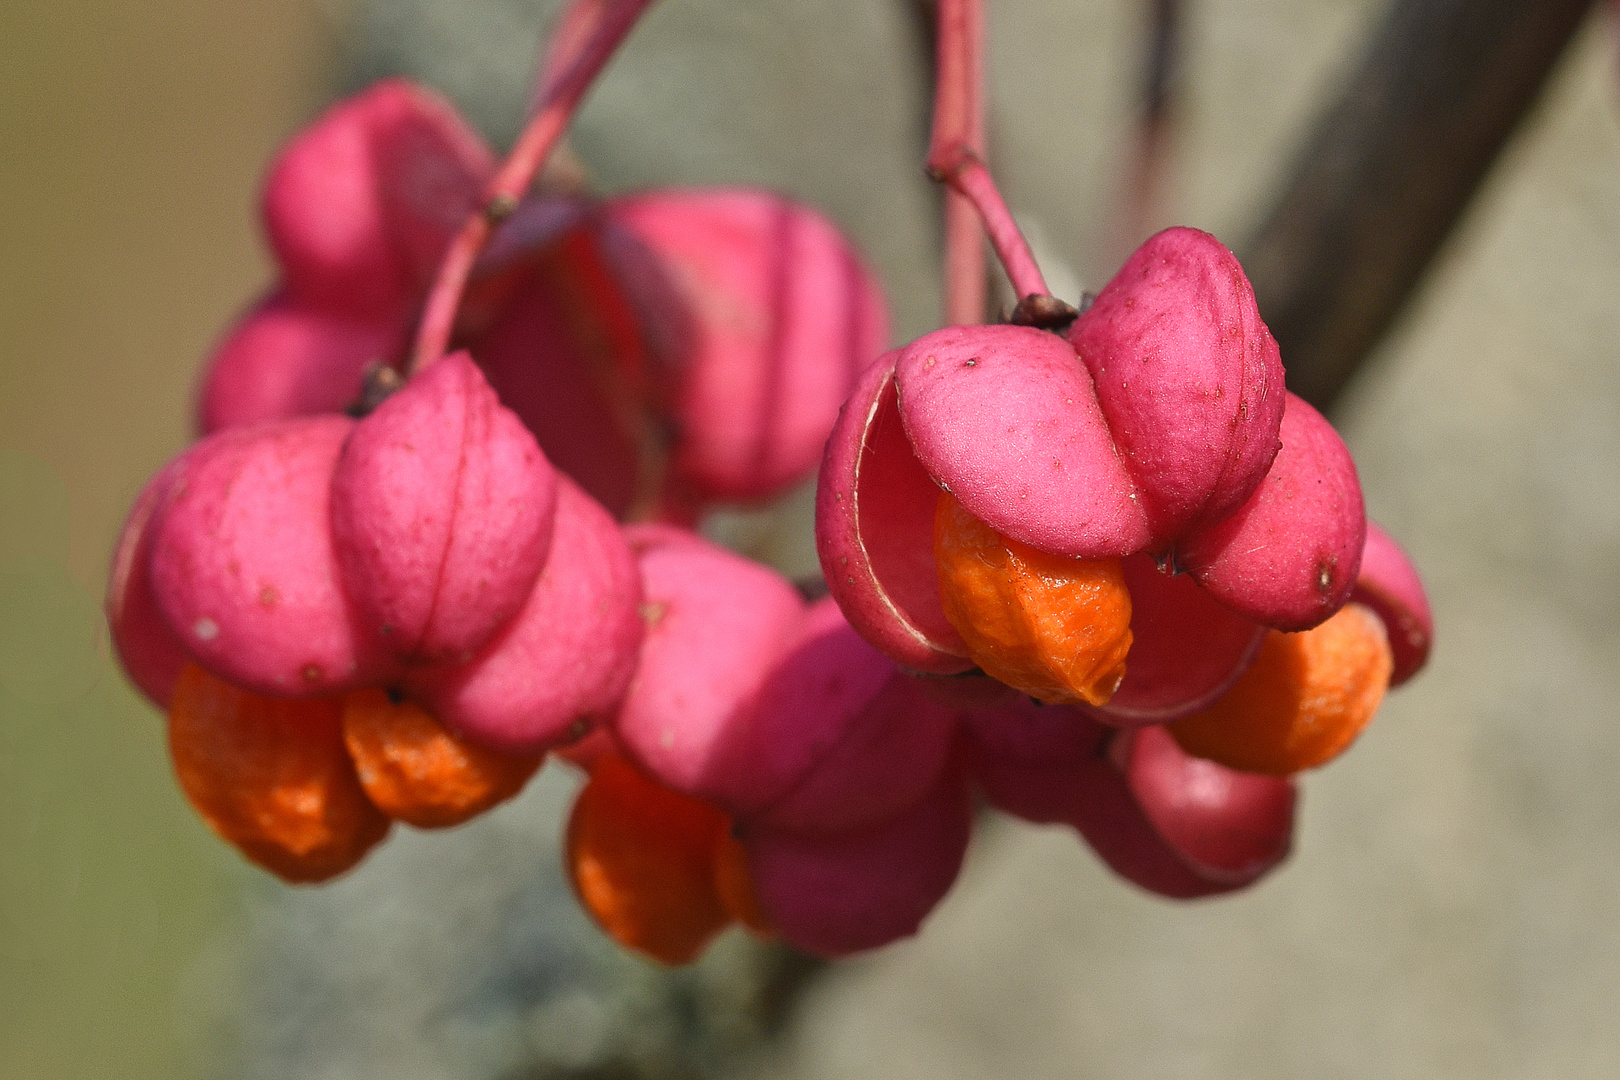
pixel 1390 169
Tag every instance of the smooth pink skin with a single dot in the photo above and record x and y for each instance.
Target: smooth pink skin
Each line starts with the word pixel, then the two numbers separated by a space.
pixel 1389 584
pixel 361 205
pixel 1029 758
pixel 567 658
pixel 875 531
pixel 1230 827
pixel 1187 648
pixel 284 359
pixel 243 565
pixel 442 511
pixel 840 739
pixel 715 626
pixel 1288 557
pixel 151 655
pixel 1007 420
pixel 1188 377
pixel 849 892
pixel 785 318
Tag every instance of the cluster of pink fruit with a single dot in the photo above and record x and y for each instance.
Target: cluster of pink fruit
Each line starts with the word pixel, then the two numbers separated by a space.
pixel 1097 572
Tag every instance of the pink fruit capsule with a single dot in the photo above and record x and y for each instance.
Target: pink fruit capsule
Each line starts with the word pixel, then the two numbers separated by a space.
pixel 1388 583
pixel 442 509
pixel 244 568
pixel 1159 437
pixel 715 626
pixel 151 655
pixel 783 318
pixel 839 738
pixel 361 205
pixel 565 659
pixel 359 208
pixel 833 895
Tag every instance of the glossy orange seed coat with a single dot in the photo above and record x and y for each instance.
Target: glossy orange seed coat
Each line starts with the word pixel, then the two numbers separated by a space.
pixel 414 769
pixel 642 858
pixel 272 776
pixel 1055 628
pixel 1303 702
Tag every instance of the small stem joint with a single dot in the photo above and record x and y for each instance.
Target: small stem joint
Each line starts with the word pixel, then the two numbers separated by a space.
pixel 499 208
pixel 1044 313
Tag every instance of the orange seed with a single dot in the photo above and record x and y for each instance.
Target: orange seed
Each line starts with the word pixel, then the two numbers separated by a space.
pixel 642 860
pixel 1303 702
pixel 416 770
pixel 734 882
pixel 271 776
pixel 1055 628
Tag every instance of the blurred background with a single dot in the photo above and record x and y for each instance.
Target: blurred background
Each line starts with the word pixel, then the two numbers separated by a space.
pixel 1453 904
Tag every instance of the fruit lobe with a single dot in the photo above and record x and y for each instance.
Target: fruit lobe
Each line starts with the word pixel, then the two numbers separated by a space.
pixel 833 895
pixel 442 512
pixel 1184 366
pixel 244 568
pixel 1389 584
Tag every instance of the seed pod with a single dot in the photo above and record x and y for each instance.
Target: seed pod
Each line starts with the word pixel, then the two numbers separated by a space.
pixel 442 513
pixel 833 895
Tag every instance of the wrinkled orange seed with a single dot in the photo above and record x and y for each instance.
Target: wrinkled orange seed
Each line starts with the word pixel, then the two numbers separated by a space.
pixel 414 769
pixel 642 859
pixel 1303 702
pixel 272 776
pixel 1055 628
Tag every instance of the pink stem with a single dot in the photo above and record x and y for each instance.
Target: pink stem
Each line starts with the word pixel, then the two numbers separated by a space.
pixel 959 114
pixel 591 31
pixel 956 158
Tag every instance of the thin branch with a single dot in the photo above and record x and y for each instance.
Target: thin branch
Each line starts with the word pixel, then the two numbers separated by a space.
pixel 592 31
pixel 1389 170
pixel 956 158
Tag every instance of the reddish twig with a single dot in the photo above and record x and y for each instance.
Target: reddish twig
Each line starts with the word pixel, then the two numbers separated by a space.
pixel 956 158
pixel 589 33
pixel 959 114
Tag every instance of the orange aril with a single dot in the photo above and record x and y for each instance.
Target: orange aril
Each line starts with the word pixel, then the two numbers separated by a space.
pixel 1052 627
pixel 414 769
pixel 1303 702
pixel 734 883
pixel 642 858
pixel 272 776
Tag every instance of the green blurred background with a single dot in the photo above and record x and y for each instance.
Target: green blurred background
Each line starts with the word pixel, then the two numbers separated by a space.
pixel 131 141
